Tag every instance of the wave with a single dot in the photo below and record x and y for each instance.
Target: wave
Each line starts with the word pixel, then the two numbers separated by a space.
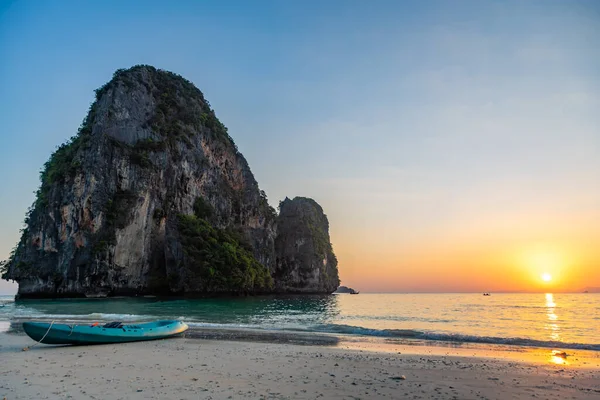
pixel 196 324
pixel 450 337
pixel 119 317
pixel 336 329
pixel 83 317
pixel 397 318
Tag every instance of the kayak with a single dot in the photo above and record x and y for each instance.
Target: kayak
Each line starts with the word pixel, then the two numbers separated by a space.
pixel 112 332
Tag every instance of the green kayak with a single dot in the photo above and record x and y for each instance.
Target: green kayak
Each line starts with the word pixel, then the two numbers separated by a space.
pixel 112 332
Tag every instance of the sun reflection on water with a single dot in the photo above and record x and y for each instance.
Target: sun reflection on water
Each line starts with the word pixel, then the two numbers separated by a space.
pixel 558 360
pixel 559 357
pixel 552 324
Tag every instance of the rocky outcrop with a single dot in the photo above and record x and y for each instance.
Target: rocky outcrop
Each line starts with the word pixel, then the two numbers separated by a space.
pixel 345 289
pixel 305 258
pixel 152 197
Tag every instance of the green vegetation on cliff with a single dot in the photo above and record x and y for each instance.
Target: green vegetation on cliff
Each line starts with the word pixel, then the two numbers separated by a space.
pixel 117 212
pixel 312 222
pixel 180 105
pixel 219 258
pixel 174 111
pixel 320 239
pixel 63 162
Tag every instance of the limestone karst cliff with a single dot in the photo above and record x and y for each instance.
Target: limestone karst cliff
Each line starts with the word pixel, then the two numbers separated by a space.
pixel 151 196
pixel 305 259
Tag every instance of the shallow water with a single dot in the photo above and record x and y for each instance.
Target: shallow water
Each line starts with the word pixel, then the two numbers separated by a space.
pixel 538 320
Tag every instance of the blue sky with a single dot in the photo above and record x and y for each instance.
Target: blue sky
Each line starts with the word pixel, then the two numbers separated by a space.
pixel 402 119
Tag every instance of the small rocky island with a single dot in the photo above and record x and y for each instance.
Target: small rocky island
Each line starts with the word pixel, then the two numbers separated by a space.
pixel 152 197
pixel 345 289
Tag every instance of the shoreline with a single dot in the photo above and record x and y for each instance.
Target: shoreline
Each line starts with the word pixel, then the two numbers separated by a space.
pixel 580 359
pixel 204 367
pixel 573 329
pixel 350 332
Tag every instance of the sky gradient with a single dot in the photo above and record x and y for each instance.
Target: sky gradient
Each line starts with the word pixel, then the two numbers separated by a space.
pixel 454 146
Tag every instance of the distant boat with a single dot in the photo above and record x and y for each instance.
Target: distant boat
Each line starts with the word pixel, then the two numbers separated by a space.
pixel 353 292
pixel 112 332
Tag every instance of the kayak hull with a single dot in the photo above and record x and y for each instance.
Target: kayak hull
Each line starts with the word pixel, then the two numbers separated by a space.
pixel 89 334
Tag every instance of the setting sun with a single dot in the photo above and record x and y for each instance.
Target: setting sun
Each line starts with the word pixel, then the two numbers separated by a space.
pixel 546 277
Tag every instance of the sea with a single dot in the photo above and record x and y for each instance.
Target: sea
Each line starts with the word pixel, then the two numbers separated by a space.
pixel 568 321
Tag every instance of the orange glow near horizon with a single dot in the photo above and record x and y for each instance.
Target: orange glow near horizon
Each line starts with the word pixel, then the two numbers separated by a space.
pixel 469 263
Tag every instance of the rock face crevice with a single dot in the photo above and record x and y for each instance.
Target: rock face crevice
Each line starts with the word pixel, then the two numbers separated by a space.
pixel 107 218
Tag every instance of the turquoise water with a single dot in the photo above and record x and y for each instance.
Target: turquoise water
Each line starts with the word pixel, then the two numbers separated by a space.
pixel 541 320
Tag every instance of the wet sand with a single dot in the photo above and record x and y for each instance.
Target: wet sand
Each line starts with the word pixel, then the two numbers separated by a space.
pixel 217 364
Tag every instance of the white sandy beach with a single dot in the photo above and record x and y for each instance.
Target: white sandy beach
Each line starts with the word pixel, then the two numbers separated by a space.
pixel 185 368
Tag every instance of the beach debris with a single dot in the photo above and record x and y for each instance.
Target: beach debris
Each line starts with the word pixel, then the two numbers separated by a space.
pixel 398 378
pixel 559 353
